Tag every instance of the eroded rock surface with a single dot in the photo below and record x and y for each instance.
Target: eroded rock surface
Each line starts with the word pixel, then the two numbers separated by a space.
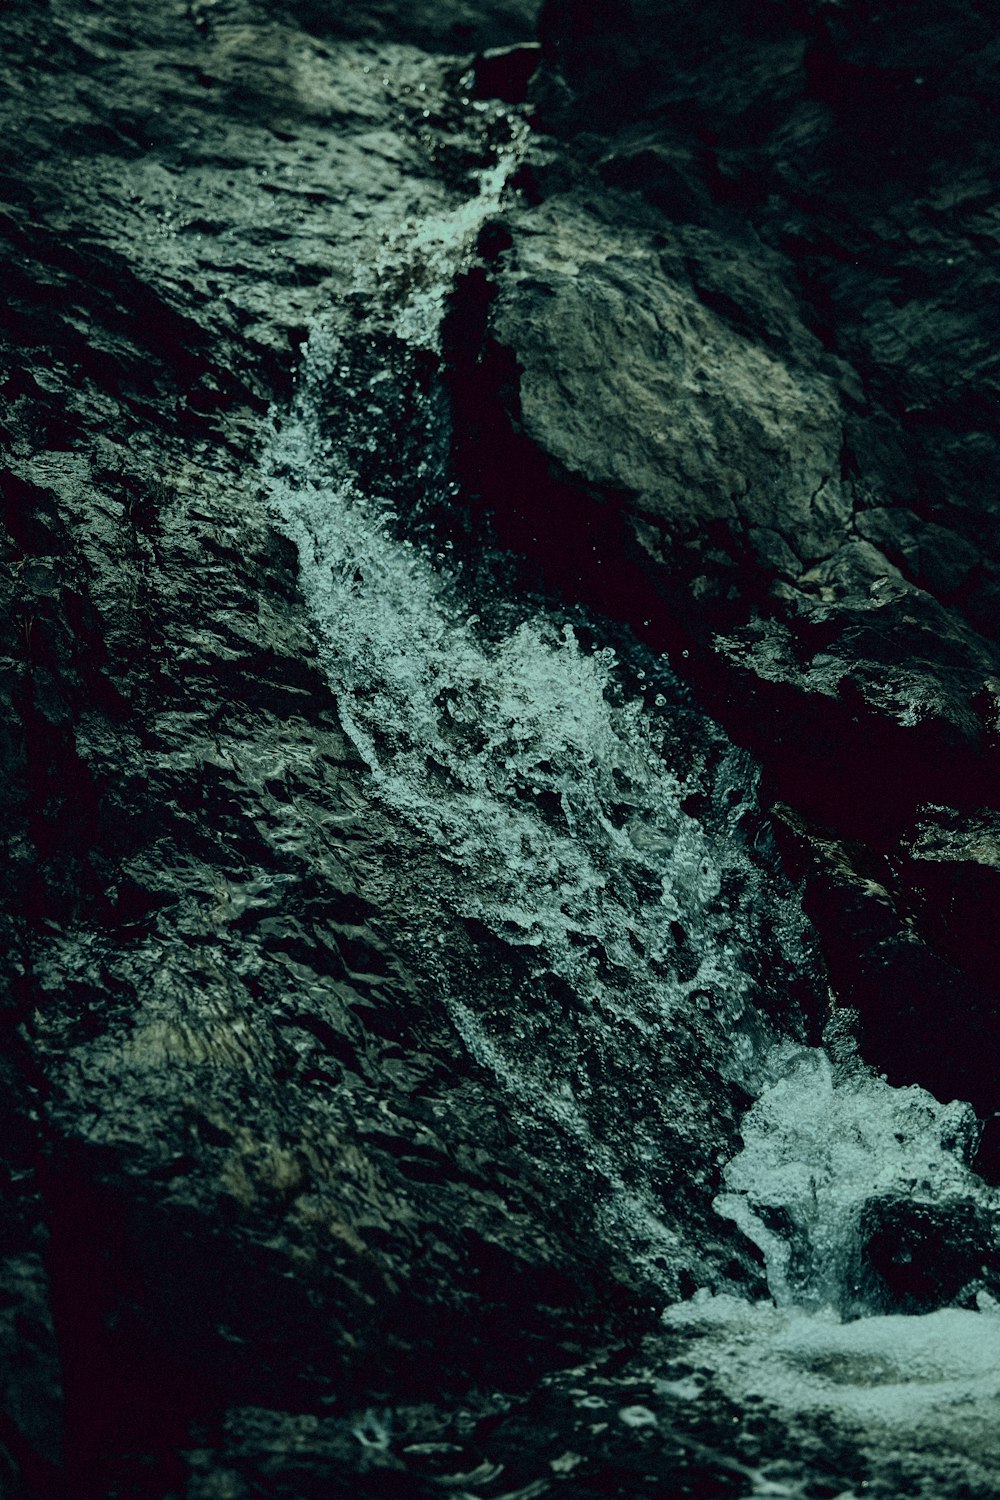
pixel 741 342
pixel 350 1146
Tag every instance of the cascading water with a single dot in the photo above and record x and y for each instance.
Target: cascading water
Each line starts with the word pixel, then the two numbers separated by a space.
pixel 832 1157
pixel 818 1149
pixel 518 750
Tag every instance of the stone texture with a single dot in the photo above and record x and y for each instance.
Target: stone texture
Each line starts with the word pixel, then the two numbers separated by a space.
pixel 251 1173
pixel 698 425
pixel 266 1228
pixel 452 26
pixel 741 342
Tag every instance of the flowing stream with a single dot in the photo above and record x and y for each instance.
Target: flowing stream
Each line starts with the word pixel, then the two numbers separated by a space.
pixel 546 768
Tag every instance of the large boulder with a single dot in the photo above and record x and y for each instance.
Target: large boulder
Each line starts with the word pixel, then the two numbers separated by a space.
pixel 699 426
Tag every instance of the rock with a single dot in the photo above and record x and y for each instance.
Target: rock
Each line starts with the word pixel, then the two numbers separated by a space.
pixel 934 558
pixel 923 1007
pixel 278 1215
pixel 253 1170
pixel 198 992
pixel 457 26
pixel 927 1255
pixel 987 1158
pixel 701 428
pixel 602 1427
pixel 505 72
pixel 766 394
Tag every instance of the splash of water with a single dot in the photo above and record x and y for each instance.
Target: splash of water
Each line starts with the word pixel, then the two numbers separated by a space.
pixel 821 1144
pixel 510 749
pixel 517 756
pixel 512 753
pixel 828 1150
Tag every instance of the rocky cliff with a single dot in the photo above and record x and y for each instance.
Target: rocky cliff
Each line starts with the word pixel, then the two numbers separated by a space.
pixel 485 526
pixel 744 337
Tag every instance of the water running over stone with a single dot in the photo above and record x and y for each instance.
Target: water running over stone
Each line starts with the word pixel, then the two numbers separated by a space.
pixel 860 1199
pixel 655 953
pixel 549 810
pixel 823 1147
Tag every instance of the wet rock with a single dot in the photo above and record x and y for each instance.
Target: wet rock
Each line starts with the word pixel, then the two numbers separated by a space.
pixel 505 72
pixel 935 559
pixel 766 390
pixel 987 1158
pixel 648 1418
pixel 928 1255
pixel 922 1010
pixel 456 26
pixel 270 1222
pixel 197 985
pixel 701 428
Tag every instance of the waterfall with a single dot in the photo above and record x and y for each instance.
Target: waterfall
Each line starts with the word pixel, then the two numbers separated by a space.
pixel 526 754
pixel 506 738
pixel 820 1147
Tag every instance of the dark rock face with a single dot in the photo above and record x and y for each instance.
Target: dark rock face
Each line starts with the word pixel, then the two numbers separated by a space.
pixel 452 26
pixel 744 338
pixel 925 1255
pixel 251 1171
pixel 270 1222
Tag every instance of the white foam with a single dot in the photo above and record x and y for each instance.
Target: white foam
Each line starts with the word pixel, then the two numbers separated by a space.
pixel 516 755
pixel 821 1143
pixel 553 819
pixel 512 753
pixel 907 1384
pixel 916 1395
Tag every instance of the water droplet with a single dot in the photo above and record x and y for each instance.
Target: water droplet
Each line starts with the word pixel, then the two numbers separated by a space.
pixel 637 1416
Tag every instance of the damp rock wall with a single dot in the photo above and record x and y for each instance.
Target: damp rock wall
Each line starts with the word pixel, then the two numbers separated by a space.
pixel 433 670
pixel 739 342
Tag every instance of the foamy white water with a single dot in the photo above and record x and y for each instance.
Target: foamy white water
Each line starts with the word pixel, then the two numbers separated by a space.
pixel 916 1396
pixel 819 1145
pixel 515 753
